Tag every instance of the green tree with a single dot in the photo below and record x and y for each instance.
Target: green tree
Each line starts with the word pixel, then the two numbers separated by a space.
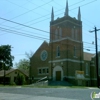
pixel 29 55
pixel 23 64
pixel 20 79
pixel 5 57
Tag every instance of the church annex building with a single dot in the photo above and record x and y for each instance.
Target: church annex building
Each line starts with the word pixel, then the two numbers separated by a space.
pixel 63 59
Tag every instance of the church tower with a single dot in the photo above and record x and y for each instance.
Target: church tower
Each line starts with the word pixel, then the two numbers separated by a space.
pixel 66 46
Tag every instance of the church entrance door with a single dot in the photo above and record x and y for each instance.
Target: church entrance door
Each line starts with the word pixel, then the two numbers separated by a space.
pixel 58 75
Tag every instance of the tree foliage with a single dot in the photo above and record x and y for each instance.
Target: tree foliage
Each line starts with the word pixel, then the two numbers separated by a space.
pixel 29 55
pixel 20 79
pixel 23 64
pixel 5 57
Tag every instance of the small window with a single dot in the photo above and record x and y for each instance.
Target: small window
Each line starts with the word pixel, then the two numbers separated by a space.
pixel 47 70
pixel 58 51
pixel 76 34
pixel 72 33
pixel 56 34
pixel 15 72
pixel 43 70
pixel 40 71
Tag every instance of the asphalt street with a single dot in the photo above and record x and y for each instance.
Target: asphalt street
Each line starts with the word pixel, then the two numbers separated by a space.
pixel 28 97
pixel 26 93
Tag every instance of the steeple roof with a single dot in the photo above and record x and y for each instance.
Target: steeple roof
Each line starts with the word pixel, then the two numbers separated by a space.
pixel 66 9
pixel 79 14
pixel 52 15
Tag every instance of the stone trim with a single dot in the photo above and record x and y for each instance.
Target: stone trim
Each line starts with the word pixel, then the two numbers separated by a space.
pixel 90 79
pixel 65 39
pixel 66 21
pixel 78 61
pixel 72 77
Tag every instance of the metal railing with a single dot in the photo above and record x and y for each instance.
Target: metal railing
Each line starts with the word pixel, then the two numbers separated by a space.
pixel 42 82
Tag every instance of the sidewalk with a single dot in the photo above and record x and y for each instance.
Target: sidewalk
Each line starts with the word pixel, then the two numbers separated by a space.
pixel 8 96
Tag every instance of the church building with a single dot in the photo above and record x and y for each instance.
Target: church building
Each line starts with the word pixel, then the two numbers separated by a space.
pixel 62 59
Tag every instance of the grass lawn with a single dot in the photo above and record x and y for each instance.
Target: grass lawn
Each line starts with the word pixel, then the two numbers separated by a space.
pixel 81 87
pixel 32 86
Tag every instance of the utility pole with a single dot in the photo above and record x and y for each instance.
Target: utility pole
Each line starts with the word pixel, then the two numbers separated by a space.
pixel 96 46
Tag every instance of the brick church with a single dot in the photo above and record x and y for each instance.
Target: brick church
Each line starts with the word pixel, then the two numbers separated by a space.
pixel 63 59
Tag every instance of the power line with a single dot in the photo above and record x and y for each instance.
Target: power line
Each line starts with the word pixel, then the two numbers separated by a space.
pixel 27 35
pixel 22 34
pixel 70 10
pixel 42 16
pixel 37 5
pixel 57 14
pixel 21 7
pixel 73 4
pixel 15 8
pixel 73 8
pixel 30 10
pixel 33 28
pixel 57 11
pixel 21 30
pixel 70 5
pixel 35 37
pixel 23 25
pixel 16 4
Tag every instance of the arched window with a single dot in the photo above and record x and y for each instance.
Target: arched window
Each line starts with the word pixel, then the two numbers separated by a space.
pixel 56 34
pixel 58 51
pixel 60 33
pixel 87 69
pixel 76 34
pixel 72 33
pixel 74 51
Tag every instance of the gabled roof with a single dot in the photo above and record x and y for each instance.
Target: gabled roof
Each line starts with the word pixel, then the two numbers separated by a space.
pixel 10 71
pixel 87 56
pixel 43 45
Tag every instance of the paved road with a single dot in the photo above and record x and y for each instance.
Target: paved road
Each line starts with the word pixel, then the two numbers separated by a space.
pixel 25 93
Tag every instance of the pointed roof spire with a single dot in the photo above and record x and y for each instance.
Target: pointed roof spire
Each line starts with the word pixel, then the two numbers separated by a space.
pixel 52 15
pixel 66 9
pixel 79 14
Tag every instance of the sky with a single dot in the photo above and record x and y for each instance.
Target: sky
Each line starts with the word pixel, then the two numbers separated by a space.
pixel 25 24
